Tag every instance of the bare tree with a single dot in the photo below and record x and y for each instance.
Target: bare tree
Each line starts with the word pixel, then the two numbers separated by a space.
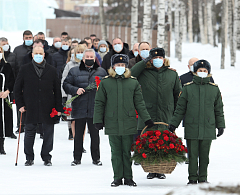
pixel 235 20
pixel 200 19
pixel 214 23
pixel 223 23
pixel 182 15
pixel 190 16
pixel 146 32
pixel 169 13
pixel 184 27
pixel 238 23
pixel 161 23
pixel 102 20
pixel 209 22
pixel 205 21
pixel 176 27
pixel 134 22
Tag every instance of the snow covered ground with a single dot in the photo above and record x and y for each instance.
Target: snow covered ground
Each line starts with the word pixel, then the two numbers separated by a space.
pixel 87 178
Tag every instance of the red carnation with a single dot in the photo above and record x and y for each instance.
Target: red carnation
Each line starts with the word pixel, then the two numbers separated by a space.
pixel 14 101
pixel 166 138
pixel 172 140
pixel 64 108
pixel 157 133
pixel 166 131
pixel 144 141
pixel 69 109
pixel 151 146
pixel 182 147
pixel 171 146
pixel 137 142
pixel 161 142
pixel 150 140
pixel 164 135
pixel 150 133
pixel 186 150
pixel 97 80
pixel 144 155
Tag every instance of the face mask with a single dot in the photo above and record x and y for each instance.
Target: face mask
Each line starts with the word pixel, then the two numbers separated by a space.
pixel 157 62
pixel 135 53
pixel 79 56
pixel 120 70
pixel 28 42
pixel 103 49
pixel 202 74
pixel 65 47
pixel 144 54
pixel 191 68
pixel 38 58
pixel 1 56
pixel 117 47
pixel 5 47
pixel 89 62
pixel 58 45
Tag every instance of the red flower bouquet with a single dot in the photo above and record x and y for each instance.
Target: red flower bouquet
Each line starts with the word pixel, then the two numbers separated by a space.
pixel 65 113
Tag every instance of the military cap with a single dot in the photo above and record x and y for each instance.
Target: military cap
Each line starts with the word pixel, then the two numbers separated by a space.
pixel 119 58
pixel 202 64
pixel 157 52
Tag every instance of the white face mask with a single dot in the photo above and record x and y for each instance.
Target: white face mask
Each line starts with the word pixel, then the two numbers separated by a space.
pixel 1 56
pixel 5 47
pixel 202 74
pixel 120 70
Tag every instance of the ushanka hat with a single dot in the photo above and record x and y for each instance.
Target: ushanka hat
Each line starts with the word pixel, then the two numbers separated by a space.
pixel 119 58
pixel 202 64
pixel 157 52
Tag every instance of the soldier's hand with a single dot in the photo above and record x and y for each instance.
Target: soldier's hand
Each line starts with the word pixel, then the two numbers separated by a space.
pixel 99 126
pixel 171 128
pixel 220 132
pixel 149 123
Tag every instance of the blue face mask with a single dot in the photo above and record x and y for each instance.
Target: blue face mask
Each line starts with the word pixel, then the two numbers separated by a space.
pixel 120 70
pixel 191 68
pixel 28 42
pixel 157 62
pixel 144 54
pixel 79 56
pixel 103 49
pixel 65 47
pixel 72 55
pixel 38 58
pixel 118 47
pixel 135 53
pixel 202 74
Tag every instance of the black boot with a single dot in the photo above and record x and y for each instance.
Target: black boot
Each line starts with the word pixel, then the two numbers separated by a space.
pixel 129 182
pixel 191 182
pixel 2 146
pixel 151 175
pixel 116 183
pixel 70 137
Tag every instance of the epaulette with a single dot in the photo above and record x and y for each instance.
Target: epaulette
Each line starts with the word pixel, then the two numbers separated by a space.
pixel 189 83
pixel 213 84
pixel 106 77
pixel 133 77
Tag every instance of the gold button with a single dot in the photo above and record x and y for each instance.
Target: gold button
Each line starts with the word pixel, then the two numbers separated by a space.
pixel 120 58
pixel 202 62
pixel 156 52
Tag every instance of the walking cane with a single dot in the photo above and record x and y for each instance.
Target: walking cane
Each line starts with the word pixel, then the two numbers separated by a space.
pixel 19 138
pixel 3 84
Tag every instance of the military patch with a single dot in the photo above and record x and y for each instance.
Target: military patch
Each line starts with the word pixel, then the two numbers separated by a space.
pixel 213 84
pixel 133 77
pixel 180 93
pixel 188 83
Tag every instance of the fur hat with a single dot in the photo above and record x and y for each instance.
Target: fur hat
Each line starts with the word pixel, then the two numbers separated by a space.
pixel 102 42
pixel 157 52
pixel 119 58
pixel 202 64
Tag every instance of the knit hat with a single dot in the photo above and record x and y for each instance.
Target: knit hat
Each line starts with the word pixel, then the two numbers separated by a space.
pixel 102 42
pixel 119 58
pixel 202 64
pixel 157 52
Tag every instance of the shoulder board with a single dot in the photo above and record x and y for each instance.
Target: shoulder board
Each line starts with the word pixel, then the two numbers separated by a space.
pixel 189 83
pixel 106 77
pixel 213 84
pixel 133 77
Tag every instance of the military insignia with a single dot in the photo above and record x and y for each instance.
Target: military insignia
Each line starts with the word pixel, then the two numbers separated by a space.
pixel 180 93
pixel 202 62
pixel 156 52
pixel 213 84
pixel 188 83
pixel 120 58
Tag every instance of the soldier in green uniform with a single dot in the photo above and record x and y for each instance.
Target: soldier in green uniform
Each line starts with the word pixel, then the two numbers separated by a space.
pixel 201 103
pixel 117 98
pixel 160 87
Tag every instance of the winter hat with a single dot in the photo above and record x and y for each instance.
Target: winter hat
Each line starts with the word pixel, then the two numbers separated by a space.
pixel 119 58
pixel 157 52
pixel 102 42
pixel 202 64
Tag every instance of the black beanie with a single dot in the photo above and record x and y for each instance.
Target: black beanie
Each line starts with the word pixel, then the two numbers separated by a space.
pixel 119 58
pixel 202 64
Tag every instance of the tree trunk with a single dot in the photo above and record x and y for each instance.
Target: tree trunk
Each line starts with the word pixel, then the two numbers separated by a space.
pixel 226 23
pixel 169 12
pixel 134 22
pixel 238 23
pixel 214 23
pixel 205 21
pixel 190 17
pixel 182 15
pixel 184 27
pixel 176 27
pixel 102 20
pixel 161 23
pixel 200 19
pixel 235 18
pixel 224 12
pixel 146 33
pixel 209 16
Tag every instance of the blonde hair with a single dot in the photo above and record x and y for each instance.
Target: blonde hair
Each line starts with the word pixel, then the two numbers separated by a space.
pixel 79 48
pixel 3 54
pixel 69 55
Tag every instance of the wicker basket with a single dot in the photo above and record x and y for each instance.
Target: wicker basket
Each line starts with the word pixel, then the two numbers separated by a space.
pixel 162 167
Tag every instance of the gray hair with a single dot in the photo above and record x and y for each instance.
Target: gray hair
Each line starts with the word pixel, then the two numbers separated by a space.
pixel 89 50
pixel 3 39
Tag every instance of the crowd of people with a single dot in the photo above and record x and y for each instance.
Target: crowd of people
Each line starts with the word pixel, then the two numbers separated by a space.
pixel 138 87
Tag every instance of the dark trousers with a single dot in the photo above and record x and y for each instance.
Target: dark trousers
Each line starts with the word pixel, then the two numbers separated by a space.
pixel 198 149
pixel 47 146
pixel 78 139
pixel 121 156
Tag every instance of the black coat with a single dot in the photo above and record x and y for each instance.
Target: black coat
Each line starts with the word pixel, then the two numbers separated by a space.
pixel 11 58
pixel 28 58
pixel 20 52
pixel 39 95
pixel 134 60
pixel 6 69
pixel 131 54
pixel 59 60
pixel 52 50
pixel 81 77
pixel 188 77
pixel 106 63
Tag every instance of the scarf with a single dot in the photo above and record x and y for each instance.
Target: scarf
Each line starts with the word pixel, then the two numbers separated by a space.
pixel 39 67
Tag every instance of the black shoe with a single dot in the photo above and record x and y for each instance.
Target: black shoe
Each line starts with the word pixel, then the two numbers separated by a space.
pixel 116 183
pixel 13 136
pixel 48 163
pixel 191 182
pixel 151 175
pixel 41 136
pixel 75 163
pixel 129 182
pixel 98 163
pixel 160 176
pixel 70 137
pixel 204 181
pixel 135 163
pixel 2 146
pixel 29 162
pixel 22 130
pixel 84 151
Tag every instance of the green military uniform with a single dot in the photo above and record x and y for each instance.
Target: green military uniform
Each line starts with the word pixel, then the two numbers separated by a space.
pixel 115 103
pixel 160 90
pixel 201 104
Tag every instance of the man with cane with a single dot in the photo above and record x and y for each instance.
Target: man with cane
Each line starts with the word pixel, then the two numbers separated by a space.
pixel 37 92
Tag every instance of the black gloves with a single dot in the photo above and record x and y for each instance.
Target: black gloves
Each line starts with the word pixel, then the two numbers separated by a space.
pixel 99 126
pixel 171 128
pixel 220 132
pixel 147 59
pixel 149 123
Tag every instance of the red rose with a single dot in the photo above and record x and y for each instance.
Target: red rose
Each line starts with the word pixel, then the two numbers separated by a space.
pixel 182 147
pixel 166 131
pixel 14 101
pixel 166 138
pixel 144 141
pixel 144 155
pixel 52 115
pixel 64 108
pixel 144 135
pixel 150 140
pixel 69 109
pixel 161 142
pixel 172 140
pixel 137 142
pixel 171 134
pixel 151 146
pixel 157 133
pixel 150 133
pixel 164 135
pixel 171 146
